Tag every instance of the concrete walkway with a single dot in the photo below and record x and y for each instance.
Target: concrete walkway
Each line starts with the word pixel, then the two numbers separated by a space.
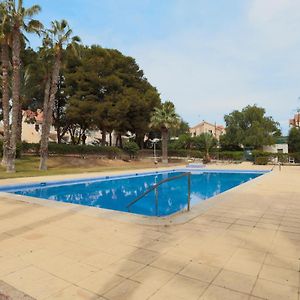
pixel 245 246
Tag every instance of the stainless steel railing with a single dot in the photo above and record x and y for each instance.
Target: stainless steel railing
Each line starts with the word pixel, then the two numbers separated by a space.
pixel 155 188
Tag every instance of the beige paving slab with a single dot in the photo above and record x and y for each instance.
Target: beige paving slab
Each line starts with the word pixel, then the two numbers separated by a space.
pixel 124 267
pixel 81 253
pixel 100 282
pixel 143 256
pixel 152 277
pixel 235 281
pixel 201 272
pixel 280 275
pixel 35 282
pixel 170 262
pixel 11 264
pixel 131 290
pixel 219 293
pixel 100 260
pixel 283 262
pixel 249 254
pixel 181 287
pixel 247 267
pixel 74 292
pixel 274 291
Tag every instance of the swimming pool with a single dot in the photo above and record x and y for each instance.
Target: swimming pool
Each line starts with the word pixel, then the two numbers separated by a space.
pixel 116 193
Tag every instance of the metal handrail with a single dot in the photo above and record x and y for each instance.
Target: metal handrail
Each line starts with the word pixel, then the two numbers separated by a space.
pixel 155 186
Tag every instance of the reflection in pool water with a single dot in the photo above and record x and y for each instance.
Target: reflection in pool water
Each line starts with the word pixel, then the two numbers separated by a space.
pixel 116 193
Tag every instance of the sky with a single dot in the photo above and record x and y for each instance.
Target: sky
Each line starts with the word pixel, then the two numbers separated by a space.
pixel 208 57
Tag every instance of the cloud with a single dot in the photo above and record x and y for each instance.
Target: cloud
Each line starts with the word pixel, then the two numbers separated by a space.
pixel 276 22
pixel 251 60
pixel 209 57
pixel 269 11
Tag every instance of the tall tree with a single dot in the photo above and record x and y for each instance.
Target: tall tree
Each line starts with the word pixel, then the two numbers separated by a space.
pixel 250 127
pixel 56 39
pixel 5 39
pixel 59 113
pixel 21 19
pixel 124 98
pixel 164 118
pixel 294 139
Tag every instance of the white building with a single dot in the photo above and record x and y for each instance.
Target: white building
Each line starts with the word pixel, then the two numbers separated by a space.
pixel 32 130
pixel 281 146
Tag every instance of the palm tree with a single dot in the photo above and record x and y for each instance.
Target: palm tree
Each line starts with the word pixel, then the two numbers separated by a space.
pixel 21 20
pixel 55 40
pixel 5 40
pixel 164 118
pixel 209 142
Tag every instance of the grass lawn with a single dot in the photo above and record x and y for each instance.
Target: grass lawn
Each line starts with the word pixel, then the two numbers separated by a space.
pixel 28 166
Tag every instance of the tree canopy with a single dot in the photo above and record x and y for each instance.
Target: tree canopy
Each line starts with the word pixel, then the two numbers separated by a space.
pixel 98 89
pixel 294 139
pixel 114 88
pixel 249 127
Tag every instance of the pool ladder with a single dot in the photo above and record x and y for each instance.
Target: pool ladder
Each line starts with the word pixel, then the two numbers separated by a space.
pixel 155 188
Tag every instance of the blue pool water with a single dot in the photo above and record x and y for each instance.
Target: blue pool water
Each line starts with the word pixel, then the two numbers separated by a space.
pixel 117 193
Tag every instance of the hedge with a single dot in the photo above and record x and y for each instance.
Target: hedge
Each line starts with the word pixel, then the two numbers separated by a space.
pixel 230 155
pixel 172 152
pixel 112 152
pixel 186 153
pixel 261 160
pixel 54 148
pixel 18 150
pixel 282 157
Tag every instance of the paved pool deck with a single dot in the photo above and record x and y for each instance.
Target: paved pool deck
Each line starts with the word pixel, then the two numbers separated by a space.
pixel 244 245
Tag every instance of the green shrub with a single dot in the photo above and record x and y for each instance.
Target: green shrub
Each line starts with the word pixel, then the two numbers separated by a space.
pixel 131 148
pixel 206 159
pixel 18 149
pixel 185 153
pixel 110 152
pixel 231 155
pixel 260 153
pixel 261 160
pixel 65 149
pixel 30 148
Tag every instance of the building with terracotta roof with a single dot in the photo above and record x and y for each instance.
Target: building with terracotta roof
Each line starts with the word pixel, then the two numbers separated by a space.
pixel 295 122
pixel 206 127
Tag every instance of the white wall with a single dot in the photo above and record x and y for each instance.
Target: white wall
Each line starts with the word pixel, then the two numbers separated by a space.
pixel 276 148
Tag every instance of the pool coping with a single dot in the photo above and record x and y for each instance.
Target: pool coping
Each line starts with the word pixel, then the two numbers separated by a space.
pixel 6 187
pixel 179 217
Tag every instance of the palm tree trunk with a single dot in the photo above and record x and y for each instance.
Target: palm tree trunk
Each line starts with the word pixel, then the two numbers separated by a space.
pixel 164 142
pixel 5 101
pixel 19 127
pixel 48 111
pixel 44 136
pixel 16 49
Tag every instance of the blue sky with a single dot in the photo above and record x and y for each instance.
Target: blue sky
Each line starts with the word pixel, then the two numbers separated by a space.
pixel 208 57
